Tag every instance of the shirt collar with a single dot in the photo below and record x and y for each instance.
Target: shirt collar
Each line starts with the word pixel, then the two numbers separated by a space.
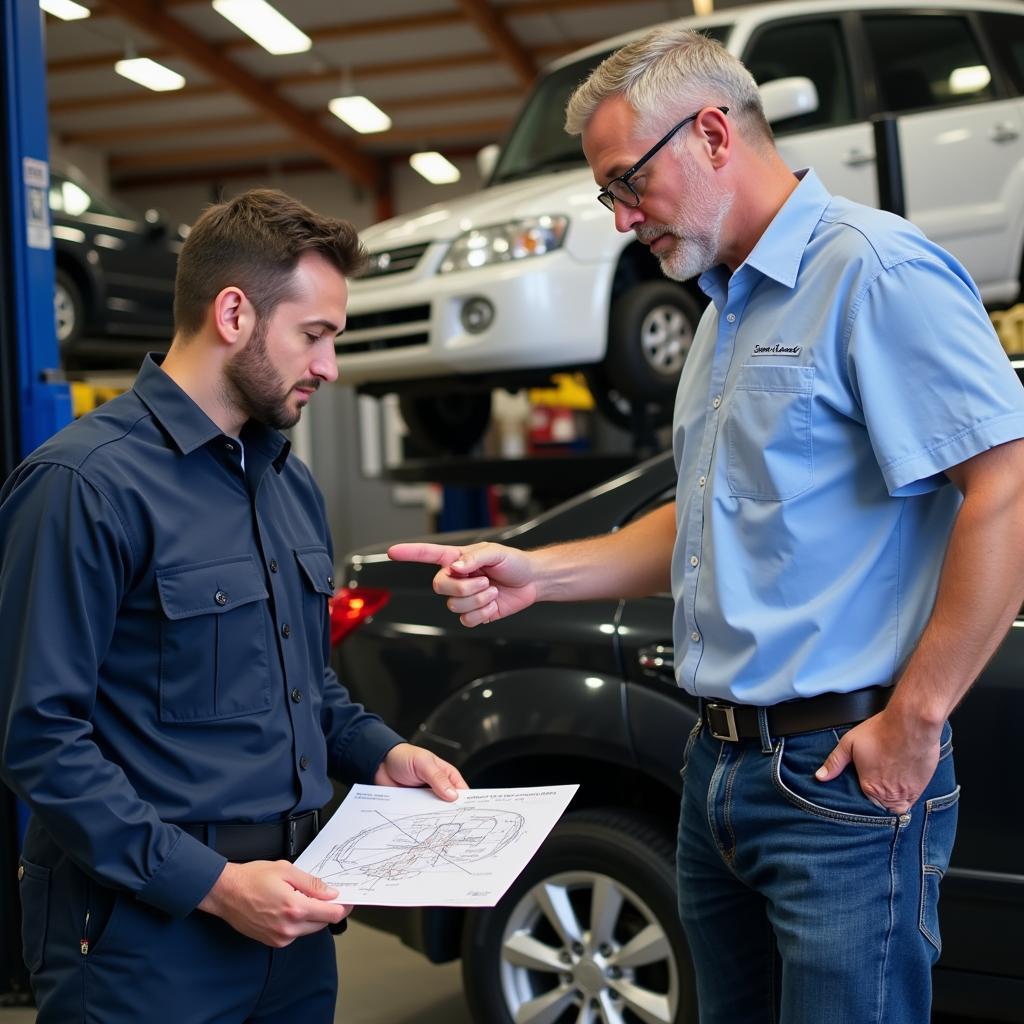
pixel 780 249
pixel 187 425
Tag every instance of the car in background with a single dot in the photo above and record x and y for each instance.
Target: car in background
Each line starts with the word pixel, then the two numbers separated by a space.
pixel 114 290
pixel 528 276
pixel 584 692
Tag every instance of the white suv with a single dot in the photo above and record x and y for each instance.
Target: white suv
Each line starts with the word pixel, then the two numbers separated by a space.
pixel 528 276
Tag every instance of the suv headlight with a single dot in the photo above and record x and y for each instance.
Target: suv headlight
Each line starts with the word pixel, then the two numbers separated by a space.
pixel 515 240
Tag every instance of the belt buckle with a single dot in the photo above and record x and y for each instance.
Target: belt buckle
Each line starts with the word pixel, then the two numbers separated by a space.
pixel 728 715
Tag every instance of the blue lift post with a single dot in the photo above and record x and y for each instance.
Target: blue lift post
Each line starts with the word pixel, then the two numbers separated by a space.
pixel 32 405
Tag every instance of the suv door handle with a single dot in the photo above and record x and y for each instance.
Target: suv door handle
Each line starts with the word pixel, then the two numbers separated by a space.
pixel 658 660
pixel 1004 131
pixel 858 157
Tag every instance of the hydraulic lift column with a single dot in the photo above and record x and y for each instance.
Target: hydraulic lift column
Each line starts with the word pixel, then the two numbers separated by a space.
pixel 32 407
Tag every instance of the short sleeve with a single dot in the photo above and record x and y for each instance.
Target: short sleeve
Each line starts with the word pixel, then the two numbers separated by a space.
pixel 934 384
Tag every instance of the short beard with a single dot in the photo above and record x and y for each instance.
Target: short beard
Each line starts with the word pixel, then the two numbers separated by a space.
pixel 252 385
pixel 696 248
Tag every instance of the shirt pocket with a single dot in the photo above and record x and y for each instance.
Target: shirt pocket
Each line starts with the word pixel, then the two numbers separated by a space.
pixel 317 574
pixel 213 641
pixel 769 448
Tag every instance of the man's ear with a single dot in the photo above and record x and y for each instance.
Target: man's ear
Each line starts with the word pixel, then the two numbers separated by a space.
pixel 233 316
pixel 715 131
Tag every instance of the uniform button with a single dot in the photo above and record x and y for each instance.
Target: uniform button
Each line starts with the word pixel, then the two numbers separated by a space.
pixel 702 481
pixel 717 402
pixel 297 695
pixel 221 598
pixel 731 318
pixel 21 872
pixel 273 565
pixel 694 561
pixel 286 631
pixel 228 446
pixel 303 762
pixel 330 582
pixel 695 637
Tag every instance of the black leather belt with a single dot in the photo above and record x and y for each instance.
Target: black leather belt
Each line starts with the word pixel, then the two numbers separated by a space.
pixel 734 722
pixel 242 841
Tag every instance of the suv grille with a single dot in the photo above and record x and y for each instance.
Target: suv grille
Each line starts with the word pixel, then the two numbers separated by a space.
pixel 386 328
pixel 394 261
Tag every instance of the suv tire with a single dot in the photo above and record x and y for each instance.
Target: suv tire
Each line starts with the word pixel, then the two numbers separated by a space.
pixel 68 309
pixel 446 424
pixel 516 952
pixel 650 333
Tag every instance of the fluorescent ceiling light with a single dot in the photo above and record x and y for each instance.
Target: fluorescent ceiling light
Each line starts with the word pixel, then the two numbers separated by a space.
pixel 150 74
pixel 66 10
pixel 360 114
pixel 435 168
pixel 267 26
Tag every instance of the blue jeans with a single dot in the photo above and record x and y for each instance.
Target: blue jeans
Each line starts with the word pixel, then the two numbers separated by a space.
pixel 803 902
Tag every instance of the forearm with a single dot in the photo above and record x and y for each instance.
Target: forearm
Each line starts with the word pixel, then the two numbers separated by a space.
pixel 632 562
pixel 981 589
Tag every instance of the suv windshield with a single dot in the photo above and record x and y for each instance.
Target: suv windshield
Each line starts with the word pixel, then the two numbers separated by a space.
pixel 538 142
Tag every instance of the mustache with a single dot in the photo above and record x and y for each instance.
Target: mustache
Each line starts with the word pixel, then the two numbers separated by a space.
pixel 647 233
pixel 312 385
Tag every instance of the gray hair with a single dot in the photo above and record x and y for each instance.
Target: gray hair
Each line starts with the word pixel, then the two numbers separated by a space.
pixel 666 75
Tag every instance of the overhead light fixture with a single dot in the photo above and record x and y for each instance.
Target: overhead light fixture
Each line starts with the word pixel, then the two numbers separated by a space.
pixel 438 170
pixel 360 114
pixel 150 74
pixel 66 10
pixel 264 24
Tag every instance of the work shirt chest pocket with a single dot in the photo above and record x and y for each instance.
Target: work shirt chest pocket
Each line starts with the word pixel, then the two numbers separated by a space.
pixel 769 447
pixel 213 641
pixel 317 574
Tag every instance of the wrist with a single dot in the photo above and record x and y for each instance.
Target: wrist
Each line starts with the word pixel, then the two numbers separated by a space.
pixel 216 898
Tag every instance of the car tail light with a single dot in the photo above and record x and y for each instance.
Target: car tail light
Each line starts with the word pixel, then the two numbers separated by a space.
pixel 351 606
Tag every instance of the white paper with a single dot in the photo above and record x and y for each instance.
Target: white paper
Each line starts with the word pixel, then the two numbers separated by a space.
pixel 396 847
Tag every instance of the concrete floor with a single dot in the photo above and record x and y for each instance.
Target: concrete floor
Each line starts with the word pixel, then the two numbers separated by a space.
pixel 383 982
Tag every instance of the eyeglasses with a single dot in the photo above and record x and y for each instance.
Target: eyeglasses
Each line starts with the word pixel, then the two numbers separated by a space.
pixel 620 190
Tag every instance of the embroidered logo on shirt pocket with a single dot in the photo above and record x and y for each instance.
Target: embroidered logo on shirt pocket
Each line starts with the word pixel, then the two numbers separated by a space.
pixel 213 643
pixel 769 447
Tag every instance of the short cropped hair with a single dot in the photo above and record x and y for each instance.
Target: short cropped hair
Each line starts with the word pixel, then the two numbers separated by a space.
pixel 254 242
pixel 665 76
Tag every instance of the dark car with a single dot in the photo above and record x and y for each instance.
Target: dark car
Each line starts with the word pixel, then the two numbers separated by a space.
pixel 115 276
pixel 584 692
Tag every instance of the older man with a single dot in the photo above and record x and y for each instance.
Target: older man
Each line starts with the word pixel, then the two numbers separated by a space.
pixel 847 435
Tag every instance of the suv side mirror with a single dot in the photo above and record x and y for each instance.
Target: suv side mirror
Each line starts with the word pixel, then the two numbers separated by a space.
pixel 788 97
pixel 487 160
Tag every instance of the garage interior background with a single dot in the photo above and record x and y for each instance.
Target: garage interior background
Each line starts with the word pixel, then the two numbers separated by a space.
pixel 450 74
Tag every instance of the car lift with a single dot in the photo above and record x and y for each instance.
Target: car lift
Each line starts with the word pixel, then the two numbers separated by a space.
pixel 32 407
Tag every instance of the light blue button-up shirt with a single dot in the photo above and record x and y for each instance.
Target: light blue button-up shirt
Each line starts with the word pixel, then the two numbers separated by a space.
pixel 837 373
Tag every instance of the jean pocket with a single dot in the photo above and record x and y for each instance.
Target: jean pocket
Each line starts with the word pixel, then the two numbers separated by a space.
pixel 34 892
pixel 769 448
pixel 213 645
pixel 840 800
pixel 938 833
pixel 690 740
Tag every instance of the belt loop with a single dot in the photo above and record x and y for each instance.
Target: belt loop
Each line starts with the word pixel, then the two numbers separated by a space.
pixel 211 835
pixel 762 727
pixel 316 822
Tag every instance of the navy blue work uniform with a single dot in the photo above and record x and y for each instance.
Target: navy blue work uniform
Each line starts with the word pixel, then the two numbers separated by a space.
pixel 164 679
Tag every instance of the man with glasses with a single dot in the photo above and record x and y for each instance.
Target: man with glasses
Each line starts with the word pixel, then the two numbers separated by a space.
pixel 843 546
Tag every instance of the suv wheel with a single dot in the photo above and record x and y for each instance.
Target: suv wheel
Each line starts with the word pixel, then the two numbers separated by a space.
pixel 589 932
pixel 649 337
pixel 68 310
pixel 446 424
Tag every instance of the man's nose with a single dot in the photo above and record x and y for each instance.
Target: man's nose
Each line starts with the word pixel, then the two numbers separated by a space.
pixel 627 217
pixel 325 363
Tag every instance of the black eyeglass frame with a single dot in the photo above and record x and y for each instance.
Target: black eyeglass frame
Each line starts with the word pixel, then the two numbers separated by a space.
pixel 608 199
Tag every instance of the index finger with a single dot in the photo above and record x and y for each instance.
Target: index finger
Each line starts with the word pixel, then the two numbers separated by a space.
pixel 432 554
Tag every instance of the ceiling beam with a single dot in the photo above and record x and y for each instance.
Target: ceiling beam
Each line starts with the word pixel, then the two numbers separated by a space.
pixel 505 44
pixel 193 125
pixel 153 159
pixel 197 51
